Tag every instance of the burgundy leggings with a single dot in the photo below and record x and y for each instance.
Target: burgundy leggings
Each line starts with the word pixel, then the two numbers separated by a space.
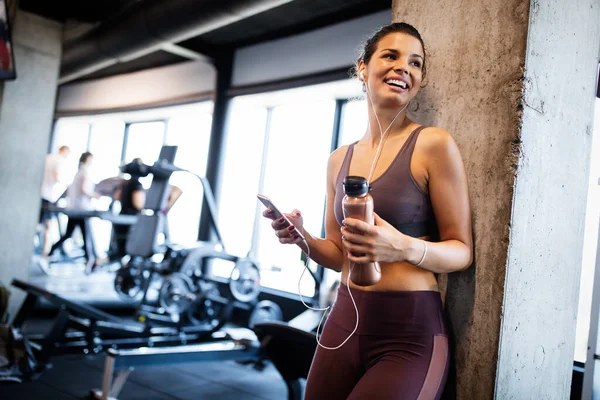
pixel 399 351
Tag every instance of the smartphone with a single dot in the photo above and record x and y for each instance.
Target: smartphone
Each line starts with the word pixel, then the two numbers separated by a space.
pixel 278 214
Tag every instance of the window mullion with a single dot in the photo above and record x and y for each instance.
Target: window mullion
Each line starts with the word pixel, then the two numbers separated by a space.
pixel 261 182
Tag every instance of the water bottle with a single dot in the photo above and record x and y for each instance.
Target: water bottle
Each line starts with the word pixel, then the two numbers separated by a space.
pixel 358 203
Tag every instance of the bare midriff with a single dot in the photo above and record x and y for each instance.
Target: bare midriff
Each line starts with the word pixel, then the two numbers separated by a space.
pixel 397 276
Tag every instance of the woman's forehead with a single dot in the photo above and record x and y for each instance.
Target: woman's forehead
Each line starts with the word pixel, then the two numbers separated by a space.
pixel 401 42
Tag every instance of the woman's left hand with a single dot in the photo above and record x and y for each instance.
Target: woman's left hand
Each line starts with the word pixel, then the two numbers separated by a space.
pixel 373 243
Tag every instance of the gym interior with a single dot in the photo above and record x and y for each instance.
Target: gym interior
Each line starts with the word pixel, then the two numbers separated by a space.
pixel 207 103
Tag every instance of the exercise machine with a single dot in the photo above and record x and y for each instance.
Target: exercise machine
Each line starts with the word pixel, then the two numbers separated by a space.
pixel 187 322
pixel 188 292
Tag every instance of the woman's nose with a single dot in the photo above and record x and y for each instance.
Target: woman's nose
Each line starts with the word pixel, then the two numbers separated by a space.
pixel 401 66
pixel 401 69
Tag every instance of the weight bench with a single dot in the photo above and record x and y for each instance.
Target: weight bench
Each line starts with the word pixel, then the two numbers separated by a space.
pixel 124 361
pixel 82 329
pixel 289 348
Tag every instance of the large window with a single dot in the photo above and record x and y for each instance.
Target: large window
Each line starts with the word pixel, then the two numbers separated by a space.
pixel 106 144
pixel 295 177
pixel 118 138
pixel 238 208
pixel 278 144
pixel 354 122
pixel 191 133
pixel 74 134
pixel 144 141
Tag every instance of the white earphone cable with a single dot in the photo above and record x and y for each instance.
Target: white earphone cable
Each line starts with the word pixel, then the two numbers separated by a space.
pixel 307 252
pixel 317 335
pixel 381 134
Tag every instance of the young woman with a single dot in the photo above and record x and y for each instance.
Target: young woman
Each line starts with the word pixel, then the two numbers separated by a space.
pixel 79 195
pixel 399 349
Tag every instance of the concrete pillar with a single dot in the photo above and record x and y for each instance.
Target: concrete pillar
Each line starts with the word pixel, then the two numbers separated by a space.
pixel 537 334
pixel 26 113
pixel 514 82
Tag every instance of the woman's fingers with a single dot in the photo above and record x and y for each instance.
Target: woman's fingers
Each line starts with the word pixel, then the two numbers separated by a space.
pixel 356 224
pixel 285 232
pixel 355 237
pixel 288 237
pixel 268 213
pixel 279 223
pixel 356 247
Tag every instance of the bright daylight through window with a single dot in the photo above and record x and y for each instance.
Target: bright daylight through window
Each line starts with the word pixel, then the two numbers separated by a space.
pixel 278 144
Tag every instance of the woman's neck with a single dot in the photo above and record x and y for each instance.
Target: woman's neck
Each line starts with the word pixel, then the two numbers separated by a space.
pixel 389 121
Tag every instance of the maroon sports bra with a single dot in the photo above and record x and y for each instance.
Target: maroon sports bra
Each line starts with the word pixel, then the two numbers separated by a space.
pixel 397 197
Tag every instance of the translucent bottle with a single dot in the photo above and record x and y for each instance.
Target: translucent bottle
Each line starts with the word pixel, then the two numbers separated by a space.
pixel 358 203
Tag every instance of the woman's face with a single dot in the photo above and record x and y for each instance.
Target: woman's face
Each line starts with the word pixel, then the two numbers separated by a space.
pixel 395 71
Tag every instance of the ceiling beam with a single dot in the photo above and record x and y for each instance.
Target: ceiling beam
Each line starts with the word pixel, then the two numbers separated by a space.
pixel 185 52
pixel 147 25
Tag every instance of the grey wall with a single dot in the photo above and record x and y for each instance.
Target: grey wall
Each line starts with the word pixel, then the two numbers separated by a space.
pixel 182 82
pixel 26 114
pixel 549 204
pixel 324 49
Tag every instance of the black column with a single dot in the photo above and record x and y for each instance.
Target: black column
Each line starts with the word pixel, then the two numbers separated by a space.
pixel 224 66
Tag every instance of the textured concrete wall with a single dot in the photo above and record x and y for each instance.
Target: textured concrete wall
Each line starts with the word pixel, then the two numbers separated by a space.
pixel 547 226
pixel 26 114
pixel 476 55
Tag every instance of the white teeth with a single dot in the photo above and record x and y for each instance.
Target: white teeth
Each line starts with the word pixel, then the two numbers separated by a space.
pixel 397 82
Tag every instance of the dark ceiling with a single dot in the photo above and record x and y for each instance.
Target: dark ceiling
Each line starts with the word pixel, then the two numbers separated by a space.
pixel 77 10
pixel 288 19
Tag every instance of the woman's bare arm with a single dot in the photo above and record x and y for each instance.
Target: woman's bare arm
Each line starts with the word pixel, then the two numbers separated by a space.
pixel 448 190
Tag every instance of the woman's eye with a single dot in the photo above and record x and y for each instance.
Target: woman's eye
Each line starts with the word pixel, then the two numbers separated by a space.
pixel 390 56
pixel 416 64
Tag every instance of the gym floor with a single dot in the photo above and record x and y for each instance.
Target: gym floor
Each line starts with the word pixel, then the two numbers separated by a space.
pixel 72 377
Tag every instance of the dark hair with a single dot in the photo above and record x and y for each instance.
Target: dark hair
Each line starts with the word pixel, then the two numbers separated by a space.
pixel 136 168
pixel 84 157
pixel 397 27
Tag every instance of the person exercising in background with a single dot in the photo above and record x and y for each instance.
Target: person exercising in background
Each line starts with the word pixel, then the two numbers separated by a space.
pixel 79 196
pixel 54 179
pixel 132 196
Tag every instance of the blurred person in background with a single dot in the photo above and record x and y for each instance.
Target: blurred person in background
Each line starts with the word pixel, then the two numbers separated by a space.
pixel 53 185
pixel 79 197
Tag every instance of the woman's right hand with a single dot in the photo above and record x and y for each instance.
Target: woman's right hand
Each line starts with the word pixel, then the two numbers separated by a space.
pixel 283 230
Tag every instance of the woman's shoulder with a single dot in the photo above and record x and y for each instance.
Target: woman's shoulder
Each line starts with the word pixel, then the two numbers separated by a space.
pixel 336 159
pixel 434 139
pixel 337 156
pixel 340 151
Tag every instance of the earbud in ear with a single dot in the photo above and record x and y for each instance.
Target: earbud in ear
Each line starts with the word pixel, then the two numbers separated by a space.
pixel 362 75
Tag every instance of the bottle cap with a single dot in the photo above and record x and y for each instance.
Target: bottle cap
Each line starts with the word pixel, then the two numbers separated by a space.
pixel 355 186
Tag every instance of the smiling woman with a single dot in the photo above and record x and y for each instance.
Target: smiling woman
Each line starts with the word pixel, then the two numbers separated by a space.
pixel 422 226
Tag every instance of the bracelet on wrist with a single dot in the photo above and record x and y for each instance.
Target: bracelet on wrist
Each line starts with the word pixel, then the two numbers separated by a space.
pixel 424 254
